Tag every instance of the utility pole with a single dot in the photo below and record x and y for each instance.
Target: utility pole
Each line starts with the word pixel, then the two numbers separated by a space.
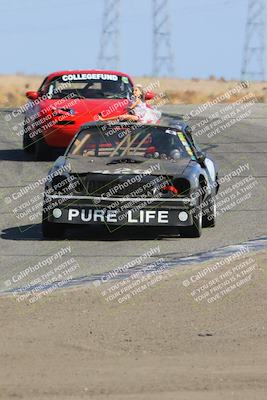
pixel 253 67
pixel 109 55
pixel 163 61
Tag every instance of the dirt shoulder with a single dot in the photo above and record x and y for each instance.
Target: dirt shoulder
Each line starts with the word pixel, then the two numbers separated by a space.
pixel 164 343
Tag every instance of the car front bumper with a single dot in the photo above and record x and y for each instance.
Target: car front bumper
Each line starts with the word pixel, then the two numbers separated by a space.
pixel 87 210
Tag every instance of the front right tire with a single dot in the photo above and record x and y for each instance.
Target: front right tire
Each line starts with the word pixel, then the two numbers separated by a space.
pixel 27 143
pixel 50 230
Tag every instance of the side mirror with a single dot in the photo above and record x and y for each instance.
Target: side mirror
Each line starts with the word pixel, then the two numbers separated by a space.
pixel 201 157
pixel 149 95
pixel 188 130
pixel 32 95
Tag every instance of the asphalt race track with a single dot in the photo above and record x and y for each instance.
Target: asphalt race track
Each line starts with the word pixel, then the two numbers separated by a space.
pixel 96 251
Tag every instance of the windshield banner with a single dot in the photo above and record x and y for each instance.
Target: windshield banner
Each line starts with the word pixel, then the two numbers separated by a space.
pixel 82 77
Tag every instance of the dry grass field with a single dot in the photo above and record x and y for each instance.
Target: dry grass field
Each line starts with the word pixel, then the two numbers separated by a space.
pixel 176 91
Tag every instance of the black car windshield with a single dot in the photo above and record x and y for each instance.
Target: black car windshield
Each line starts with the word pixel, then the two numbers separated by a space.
pixel 122 141
pixel 90 86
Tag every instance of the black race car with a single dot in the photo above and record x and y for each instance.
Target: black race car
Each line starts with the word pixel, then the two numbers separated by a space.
pixel 120 173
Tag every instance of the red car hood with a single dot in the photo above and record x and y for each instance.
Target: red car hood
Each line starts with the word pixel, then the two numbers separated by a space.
pixel 88 108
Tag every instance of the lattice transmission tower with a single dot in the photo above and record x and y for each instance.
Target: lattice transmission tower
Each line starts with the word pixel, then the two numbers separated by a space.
pixel 163 60
pixel 109 54
pixel 253 67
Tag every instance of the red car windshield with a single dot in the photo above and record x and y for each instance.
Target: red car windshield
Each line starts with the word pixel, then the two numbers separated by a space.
pixel 90 86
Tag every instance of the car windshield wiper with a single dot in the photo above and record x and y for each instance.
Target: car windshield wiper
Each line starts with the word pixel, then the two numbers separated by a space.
pixel 126 160
pixel 111 95
pixel 77 96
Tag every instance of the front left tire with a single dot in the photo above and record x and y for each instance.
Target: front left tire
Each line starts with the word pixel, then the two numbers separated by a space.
pixel 195 230
pixel 209 213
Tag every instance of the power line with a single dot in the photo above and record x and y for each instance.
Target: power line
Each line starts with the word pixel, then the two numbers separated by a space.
pixel 109 56
pixel 163 61
pixel 254 53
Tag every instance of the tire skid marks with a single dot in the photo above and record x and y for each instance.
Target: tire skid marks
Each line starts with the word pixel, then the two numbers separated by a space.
pixel 258 244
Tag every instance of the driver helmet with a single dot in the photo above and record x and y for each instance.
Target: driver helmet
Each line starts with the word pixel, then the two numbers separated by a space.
pixel 175 154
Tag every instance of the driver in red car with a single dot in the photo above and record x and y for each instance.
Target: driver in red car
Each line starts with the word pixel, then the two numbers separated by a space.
pixel 138 110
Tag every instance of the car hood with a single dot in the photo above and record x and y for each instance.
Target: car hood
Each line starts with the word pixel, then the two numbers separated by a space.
pixel 89 107
pixel 82 165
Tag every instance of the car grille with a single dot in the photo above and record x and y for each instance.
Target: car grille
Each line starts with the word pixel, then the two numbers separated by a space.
pixel 65 122
pixel 121 185
pixel 101 185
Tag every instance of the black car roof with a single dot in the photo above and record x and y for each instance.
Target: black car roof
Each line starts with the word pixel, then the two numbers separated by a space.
pixel 127 123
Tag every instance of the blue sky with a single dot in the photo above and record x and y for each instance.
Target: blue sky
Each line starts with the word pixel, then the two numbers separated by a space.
pixel 41 36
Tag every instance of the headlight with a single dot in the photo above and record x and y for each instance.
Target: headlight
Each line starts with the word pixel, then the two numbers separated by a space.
pixel 58 111
pixel 60 183
pixel 66 184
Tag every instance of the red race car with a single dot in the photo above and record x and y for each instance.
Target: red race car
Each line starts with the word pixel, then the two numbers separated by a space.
pixel 68 99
